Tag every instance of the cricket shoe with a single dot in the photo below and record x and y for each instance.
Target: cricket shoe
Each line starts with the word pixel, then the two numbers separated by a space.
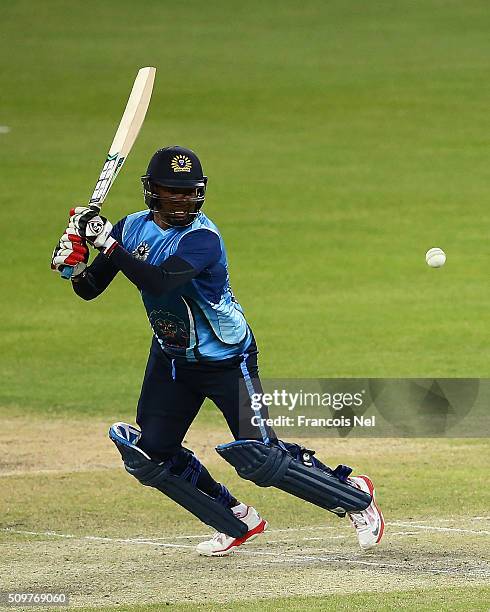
pixel 369 523
pixel 221 544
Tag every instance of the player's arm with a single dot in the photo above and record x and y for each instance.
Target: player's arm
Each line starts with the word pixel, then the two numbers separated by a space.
pixel 88 282
pixel 94 279
pixel 98 276
pixel 196 251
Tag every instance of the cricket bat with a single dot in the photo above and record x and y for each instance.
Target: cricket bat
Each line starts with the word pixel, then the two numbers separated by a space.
pixel 126 134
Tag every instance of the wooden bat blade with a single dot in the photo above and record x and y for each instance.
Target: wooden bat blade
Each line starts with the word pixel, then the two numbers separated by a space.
pixel 134 114
pixel 126 134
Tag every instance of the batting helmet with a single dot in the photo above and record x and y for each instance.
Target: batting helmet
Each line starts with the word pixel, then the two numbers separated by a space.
pixel 174 168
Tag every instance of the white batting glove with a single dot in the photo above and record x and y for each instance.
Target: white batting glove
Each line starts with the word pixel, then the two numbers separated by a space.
pixel 93 227
pixel 71 250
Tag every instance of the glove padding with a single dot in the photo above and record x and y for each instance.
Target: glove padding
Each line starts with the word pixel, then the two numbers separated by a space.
pixel 93 227
pixel 71 250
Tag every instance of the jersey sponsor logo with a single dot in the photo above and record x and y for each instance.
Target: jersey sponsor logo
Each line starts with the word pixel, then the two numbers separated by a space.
pixel 181 163
pixel 142 251
pixel 170 329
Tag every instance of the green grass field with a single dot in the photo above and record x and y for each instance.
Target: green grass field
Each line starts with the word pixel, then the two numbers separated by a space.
pixel 342 140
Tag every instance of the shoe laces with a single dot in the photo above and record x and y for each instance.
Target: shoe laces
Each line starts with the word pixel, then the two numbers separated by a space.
pixel 219 537
pixel 359 520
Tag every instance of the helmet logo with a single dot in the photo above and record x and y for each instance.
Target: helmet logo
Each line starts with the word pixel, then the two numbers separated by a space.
pixel 181 163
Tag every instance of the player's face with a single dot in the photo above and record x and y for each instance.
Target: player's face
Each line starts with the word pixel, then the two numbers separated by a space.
pixel 174 206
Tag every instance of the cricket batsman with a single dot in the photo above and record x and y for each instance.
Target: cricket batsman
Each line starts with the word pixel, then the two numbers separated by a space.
pixel 202 347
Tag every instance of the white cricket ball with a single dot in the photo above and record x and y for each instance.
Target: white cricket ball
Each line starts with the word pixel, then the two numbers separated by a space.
pixel 435 257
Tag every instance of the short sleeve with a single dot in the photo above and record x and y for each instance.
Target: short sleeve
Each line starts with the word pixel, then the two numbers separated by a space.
pixel 200 248
pixel 117 230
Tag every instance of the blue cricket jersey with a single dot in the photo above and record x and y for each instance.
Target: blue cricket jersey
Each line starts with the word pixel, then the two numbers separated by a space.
pixel 200 320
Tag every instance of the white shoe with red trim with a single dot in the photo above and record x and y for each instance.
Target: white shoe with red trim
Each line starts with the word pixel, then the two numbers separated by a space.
pixel 221 544
pixel 369 523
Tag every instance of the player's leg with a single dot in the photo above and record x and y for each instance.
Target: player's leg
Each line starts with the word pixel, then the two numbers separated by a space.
pixel 293 469
pixel 231 388
pixel 166 407
pixel 155 455
pixel 227 385
pixel 259 456
pixel 368 522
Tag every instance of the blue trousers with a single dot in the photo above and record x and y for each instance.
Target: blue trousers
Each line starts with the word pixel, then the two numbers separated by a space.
pixel 173 392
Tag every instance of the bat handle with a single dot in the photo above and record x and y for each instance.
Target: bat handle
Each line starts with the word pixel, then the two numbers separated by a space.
pixel 67 272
